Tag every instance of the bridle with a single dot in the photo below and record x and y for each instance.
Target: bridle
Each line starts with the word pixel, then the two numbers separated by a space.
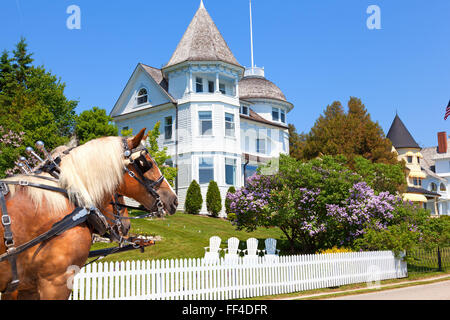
pixel 141 165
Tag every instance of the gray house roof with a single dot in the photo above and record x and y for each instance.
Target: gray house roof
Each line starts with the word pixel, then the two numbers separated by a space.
pixel 259 87
pixel 400 136
pixel 428 163
pixel 202 41
pixel 157 75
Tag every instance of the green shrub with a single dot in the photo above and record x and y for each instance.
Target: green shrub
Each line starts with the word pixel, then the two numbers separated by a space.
pixel 228 201
pixel 213 199
pixel 194 200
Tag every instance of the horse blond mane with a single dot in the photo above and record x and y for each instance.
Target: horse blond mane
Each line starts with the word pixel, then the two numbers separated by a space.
pixel 93 171
pixel 89 173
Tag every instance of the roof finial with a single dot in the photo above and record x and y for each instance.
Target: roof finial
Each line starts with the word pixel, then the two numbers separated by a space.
pixel 201 4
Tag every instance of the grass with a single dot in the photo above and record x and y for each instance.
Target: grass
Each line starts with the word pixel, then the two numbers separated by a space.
pixel 185 236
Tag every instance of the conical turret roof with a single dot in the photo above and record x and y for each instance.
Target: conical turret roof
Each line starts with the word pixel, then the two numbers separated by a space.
pixel 400 136
pixel 202 41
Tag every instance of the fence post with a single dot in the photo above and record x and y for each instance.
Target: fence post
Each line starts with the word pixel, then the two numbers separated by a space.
pixel 439 259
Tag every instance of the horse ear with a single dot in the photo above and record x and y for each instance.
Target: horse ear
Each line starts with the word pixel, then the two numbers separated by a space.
pixel 136 140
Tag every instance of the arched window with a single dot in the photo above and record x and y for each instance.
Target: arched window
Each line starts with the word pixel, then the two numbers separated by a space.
pixel 442 187
pixel 433 187
pixel 142 96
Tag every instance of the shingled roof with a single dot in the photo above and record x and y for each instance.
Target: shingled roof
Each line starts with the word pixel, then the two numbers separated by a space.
pixel 259 87
pixel 202 41
pixel 400 136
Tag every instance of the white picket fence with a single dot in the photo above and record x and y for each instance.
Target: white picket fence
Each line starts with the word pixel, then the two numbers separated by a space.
pixel 196 279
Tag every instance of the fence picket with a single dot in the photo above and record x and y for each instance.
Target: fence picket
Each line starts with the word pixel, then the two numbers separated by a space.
pixel 197 279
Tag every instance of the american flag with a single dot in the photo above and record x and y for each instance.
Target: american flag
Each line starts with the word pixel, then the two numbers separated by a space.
pixel 447 111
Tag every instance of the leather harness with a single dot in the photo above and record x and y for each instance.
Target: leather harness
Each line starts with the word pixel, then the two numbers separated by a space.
pixel 91 216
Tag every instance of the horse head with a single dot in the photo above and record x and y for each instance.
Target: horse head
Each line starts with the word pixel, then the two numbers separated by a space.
pixel 143 180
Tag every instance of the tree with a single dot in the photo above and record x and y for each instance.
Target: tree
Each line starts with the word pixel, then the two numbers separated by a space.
pixel 297 143
pixel 213 199
pixel 194 200
pixel 93 124
pixel 317 204
pixel 160 155
pixel 350 134
pixel 380 176
pixel 295 201
pixel 32 101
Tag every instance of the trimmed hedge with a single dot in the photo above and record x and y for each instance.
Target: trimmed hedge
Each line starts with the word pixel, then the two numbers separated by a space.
pixel 213 199
pixel 194 200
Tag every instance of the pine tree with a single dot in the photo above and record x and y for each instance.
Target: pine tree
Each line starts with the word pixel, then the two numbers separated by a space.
pixel 213 199
pixel 350 134
pixel 194 200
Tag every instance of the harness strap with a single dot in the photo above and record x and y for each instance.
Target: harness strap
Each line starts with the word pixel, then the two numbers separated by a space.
pixel 9 241
pixel 77 217
pixel 25 183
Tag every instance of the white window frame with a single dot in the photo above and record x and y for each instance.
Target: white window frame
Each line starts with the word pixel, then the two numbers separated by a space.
pixel 200 123
pixel 242 110
pixel 207 168
pixel 166 126
pixel 199 83
pixel 278 114
pixel 138 96
pixel 234 173
pixel 233 123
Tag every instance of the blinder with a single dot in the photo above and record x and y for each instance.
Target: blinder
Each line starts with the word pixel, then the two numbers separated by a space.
pixel 142 165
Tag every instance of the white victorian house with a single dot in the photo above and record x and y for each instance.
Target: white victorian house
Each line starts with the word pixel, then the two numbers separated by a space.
pixel 219 120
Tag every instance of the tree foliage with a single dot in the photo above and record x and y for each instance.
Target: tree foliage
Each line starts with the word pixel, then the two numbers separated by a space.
pixel 32 101
pixel 350 134
pixel 160 155
pixel 193 202
pixel 94 123
pixel 320 203
pixel 213 199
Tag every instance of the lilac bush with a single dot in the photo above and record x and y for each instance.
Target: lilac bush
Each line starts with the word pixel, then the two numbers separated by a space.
pixel 10 146
pixel 364 208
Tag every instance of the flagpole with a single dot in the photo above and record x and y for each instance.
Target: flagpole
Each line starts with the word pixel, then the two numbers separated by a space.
pixel 251 34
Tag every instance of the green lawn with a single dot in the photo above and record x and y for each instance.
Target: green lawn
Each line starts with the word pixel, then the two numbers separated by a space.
pixel 185 236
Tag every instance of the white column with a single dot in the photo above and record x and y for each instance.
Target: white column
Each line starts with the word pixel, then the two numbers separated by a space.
pixel 217 82
pixel 236 86
pixel 191 88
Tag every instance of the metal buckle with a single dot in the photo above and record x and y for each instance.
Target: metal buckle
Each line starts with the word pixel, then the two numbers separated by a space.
pixel 23 183
pixel 9 245
pixel 131 174
pixel 4 188
pixel 6 220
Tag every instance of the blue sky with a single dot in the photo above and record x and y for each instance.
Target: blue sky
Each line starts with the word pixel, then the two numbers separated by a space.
pixel 316 51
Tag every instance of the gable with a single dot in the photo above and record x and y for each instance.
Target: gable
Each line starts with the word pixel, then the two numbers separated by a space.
pixel 128 100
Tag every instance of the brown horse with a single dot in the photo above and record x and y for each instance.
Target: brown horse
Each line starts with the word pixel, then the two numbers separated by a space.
pixel 91 174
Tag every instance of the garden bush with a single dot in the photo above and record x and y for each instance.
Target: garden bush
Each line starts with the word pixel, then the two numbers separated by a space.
pixel 213 199
pixel 194 200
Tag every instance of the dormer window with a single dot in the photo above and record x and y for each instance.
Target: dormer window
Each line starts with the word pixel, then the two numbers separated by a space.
pixel 410 159
pixel 142 96
pixel 222 88
pixel 283 116
pixel 244 110
pixel 442 187
pixel 275 114
pixel 433 187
